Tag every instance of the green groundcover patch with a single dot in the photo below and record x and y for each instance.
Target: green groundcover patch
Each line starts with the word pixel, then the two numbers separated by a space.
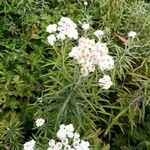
pixel 74 75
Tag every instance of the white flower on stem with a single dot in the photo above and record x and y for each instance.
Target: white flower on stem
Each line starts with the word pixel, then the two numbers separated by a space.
pixel 51 142
pixel 29 145
pixel 68 28
pixel 99 33
pixel 76 135
pixel 85 3
pixel 39 122
pixel 61 36
pixel 61 134
pixel 69 130
pixel 105 82
pixel 51 39
pixel 132 34
pixel 106 63
pixel 51 28
pixel 85 26
pixel 84 145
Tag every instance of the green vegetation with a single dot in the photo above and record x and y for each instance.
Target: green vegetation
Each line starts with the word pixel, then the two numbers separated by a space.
pixel 41 81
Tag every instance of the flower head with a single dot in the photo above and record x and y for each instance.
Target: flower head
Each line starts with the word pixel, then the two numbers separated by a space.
pixel 105 82
pixel 51 39
pixel 85 3
pixel 66 142
pixel 132 34
pixel 90 54
pixel 29 145
pixel 40 122
pixel 51 28
pixel 85 26
pixel 99 33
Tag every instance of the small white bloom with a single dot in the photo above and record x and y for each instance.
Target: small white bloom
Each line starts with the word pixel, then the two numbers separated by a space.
pixel 69 128
pixel 74 53
pixel 98 33
pixel 51 39
pixel 59 146
pixel 51 142
pixel 61 134
pixel 85 26
pixel 67 147
pixel 62 126
pixel 76 135
pixel 132 34
pixel 61 36
pixel 65 141
pixel 70 134
pixel 85 3
pixel 76 144
pixel 106 63
pixel 83 145
pixel 51 28
pixel 40 122
pixel 105 82
pixel 29 145
pixel 68 28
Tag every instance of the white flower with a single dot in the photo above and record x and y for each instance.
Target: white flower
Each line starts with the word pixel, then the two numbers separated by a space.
pixel 74 140
pixel 85 3
pixel 59 146
pixel 67 147
pixel 51 142
pixel 76 135
pixel 106 63
pixel 72 33
pixel 40 122
pixel 69 128
pixel 85 26
pixel 70 134
pixel 68 28
pixel 51 39
pixel 84 145
pixel 74 52
pixel 65 141
pixel 61 134
pixel 98 33
pixel 76 144
pixel 132 34
pixel 102 48
pixel 61 36
pixel 90 54
pixel 51 28
pixel 29 145
pixel 105 82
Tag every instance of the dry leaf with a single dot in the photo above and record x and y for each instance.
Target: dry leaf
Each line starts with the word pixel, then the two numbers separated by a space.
pixel 121 38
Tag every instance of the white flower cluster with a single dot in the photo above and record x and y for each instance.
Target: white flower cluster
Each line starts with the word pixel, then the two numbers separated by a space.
pixel 29 145
pixel 132 34
pixel 39 122
pixel 99 33
pixel 90 54
pixel 85 26
pixel 63 29
pixel 105 82
pixel 70 140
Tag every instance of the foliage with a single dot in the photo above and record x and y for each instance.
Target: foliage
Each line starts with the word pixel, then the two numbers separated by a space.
pixel 37 80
